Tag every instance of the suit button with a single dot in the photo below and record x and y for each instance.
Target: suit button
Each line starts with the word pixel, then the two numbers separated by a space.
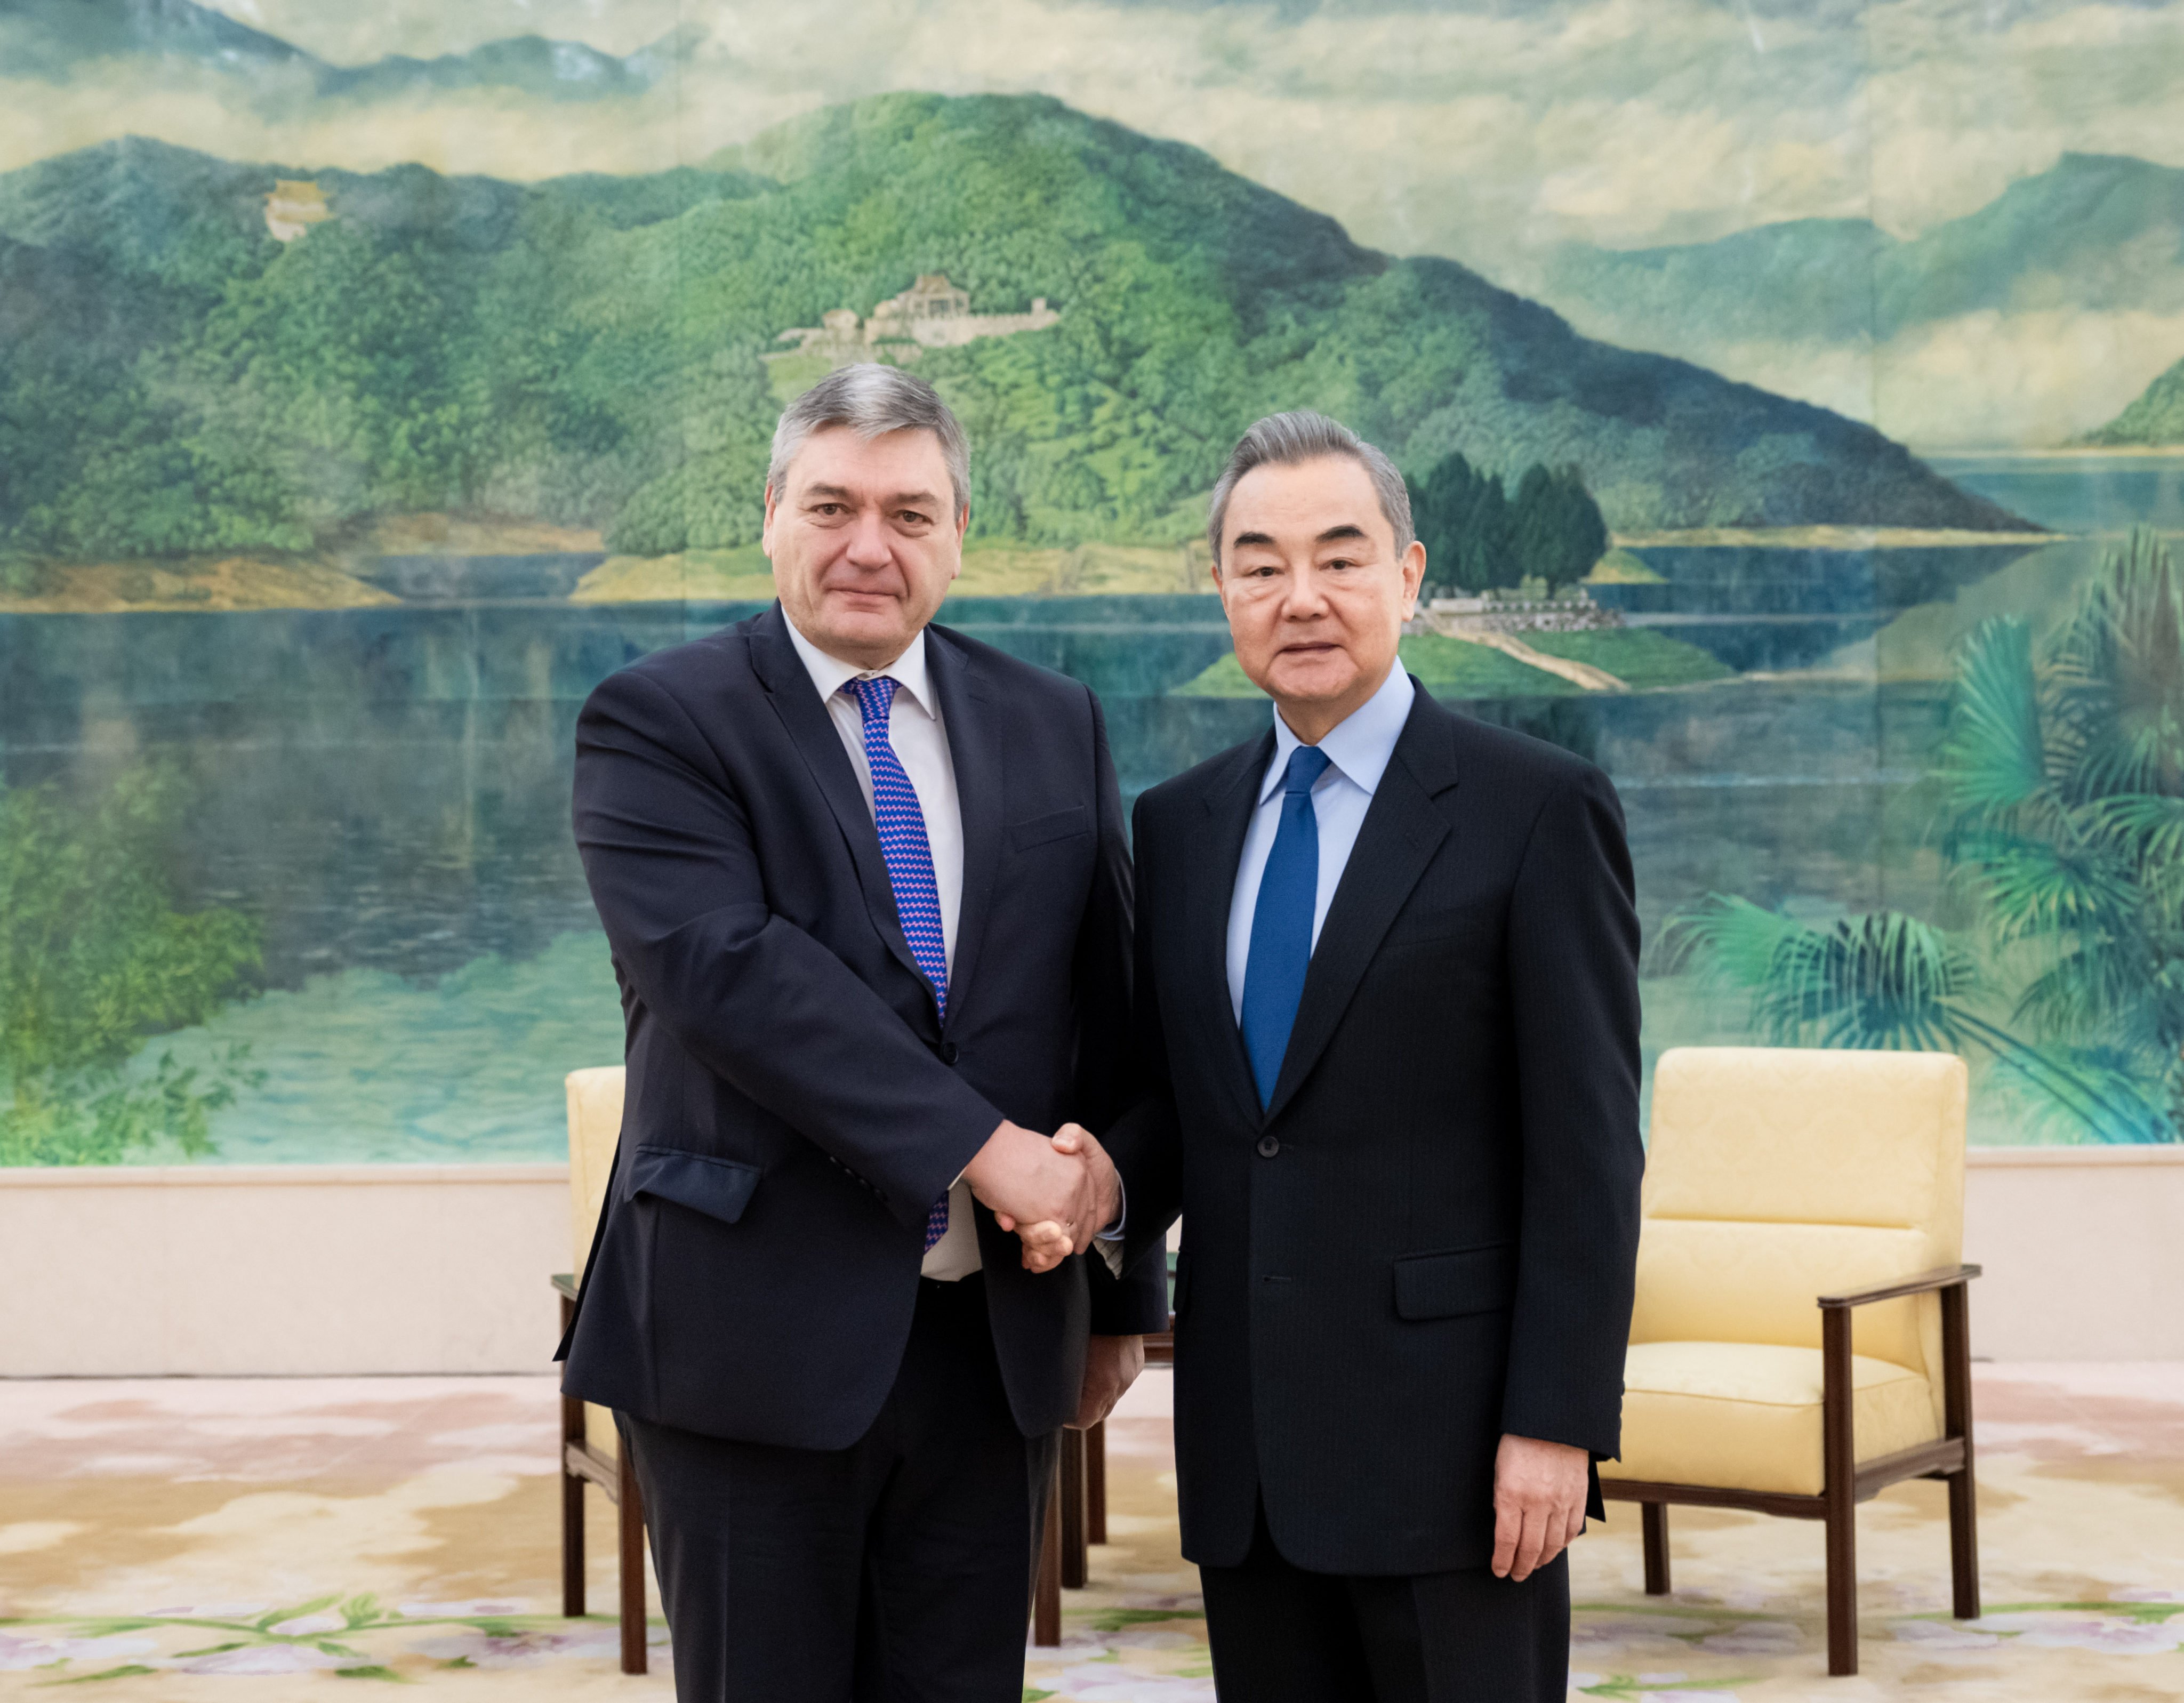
pixel 1268 1147
pixel 948 1052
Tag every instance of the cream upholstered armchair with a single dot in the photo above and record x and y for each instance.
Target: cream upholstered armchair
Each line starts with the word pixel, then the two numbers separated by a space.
pixel 1800 1339
pixel 591 1448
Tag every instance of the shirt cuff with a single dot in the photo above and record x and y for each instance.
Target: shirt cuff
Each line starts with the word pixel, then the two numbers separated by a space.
pixel 1113 1233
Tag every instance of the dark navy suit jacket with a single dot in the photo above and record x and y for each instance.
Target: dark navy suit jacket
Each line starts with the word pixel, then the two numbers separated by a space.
pixel 1429 1237
pixel 794 1106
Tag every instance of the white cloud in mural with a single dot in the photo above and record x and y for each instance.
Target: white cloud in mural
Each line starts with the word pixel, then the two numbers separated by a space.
pixel 1474 131
pixel 1977 380
pixel 1959 107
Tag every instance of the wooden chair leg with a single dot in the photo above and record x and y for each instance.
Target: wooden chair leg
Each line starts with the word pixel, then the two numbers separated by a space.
pixel 1964 1545
pixel 1046 1589
pixel 1095 1483
pixel 630 1507
pixel 1654 1517
pixel 1073 1557
pixel 1839 1460
pixel 572 1498
pixel 572 1541
pixel 1964 1491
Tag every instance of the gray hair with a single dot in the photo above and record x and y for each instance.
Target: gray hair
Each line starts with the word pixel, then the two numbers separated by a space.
pixel 872 400
pixel 1285 440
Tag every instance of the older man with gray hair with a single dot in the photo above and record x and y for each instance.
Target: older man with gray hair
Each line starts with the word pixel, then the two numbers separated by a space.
pixel 1388 990
pixel 869 899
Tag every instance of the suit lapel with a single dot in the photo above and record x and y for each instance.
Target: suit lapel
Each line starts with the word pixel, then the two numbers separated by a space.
pixel 811 729
pixel 968 718
pixel 1401 831
pixel 1229 797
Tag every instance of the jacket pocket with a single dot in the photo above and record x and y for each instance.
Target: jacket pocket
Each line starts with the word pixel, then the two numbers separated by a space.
pixel 718 1188
pixel 1463 1280
pixel 1061 825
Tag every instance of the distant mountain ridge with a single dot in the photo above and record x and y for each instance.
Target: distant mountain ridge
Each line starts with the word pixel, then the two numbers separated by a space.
pixel 2099 231
pixel 588 350
pixel 133 201
pixel 56 39
pixel 2155 417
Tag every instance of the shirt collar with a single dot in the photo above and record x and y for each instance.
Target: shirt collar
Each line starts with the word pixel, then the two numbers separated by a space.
pixel 1358 747
pixel 828 673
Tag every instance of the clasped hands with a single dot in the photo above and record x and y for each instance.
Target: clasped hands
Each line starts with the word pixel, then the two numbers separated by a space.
pixel 1054 1194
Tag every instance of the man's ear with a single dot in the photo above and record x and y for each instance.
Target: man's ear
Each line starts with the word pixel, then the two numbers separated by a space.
pixel 765 532
pixel 1414 573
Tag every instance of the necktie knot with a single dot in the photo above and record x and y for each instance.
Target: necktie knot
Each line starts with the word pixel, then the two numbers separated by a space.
pixel 1307 763
pixel 875 696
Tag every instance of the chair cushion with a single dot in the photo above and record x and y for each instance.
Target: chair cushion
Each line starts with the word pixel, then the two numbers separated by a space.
pixel 1711 1280
pixel 1810 1136
pixel 595 1101
pixel 1747 1415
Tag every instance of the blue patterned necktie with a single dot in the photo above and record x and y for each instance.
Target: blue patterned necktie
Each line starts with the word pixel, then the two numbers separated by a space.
pixel 909 856
pixel 1281 924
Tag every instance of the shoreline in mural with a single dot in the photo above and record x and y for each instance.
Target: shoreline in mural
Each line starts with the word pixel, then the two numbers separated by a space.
pixel 330 486
pixel 440 967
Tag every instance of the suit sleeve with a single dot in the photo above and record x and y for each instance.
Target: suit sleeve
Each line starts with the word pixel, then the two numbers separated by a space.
pixel 1136 1301
pixel 1572 973
pixel 667 850
pixel 1145 1143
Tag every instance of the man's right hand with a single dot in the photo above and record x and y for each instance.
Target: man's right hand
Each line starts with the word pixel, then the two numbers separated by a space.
pixel 1046 1245
pixel 1049 1197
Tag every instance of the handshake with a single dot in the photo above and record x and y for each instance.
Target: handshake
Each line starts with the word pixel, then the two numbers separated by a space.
pixel 1056 1194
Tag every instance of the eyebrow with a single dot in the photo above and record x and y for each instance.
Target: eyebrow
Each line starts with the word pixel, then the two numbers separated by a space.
pixel 914 499
pixel 1346 530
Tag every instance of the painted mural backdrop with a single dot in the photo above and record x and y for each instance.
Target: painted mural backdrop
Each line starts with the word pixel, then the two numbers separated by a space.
pixel 1792 394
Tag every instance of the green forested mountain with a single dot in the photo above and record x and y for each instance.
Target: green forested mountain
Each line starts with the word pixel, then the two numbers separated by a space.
pixel 2156 416
pixel 591 350
pixel 2094 231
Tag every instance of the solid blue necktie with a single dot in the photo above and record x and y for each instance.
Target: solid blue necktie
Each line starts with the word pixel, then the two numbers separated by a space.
pixel 1281 924
pixel 909 857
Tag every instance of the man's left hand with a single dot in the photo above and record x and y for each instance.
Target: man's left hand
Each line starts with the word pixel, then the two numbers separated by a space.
pixel 1539 1503
pixel 1112 1365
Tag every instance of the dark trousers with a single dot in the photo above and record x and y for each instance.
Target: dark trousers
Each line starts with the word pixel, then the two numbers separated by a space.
pixel 1282 1635
pixel 895 1571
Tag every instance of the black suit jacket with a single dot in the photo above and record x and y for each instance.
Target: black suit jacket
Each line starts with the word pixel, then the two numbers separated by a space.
pixel 794 1105
pixel 1428 1238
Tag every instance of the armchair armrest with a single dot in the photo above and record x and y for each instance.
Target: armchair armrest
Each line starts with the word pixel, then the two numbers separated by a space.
pixel 1944 1277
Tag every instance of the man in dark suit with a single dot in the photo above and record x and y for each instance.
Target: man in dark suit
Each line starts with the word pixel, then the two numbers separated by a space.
pixel 866 889
pixel 1388 994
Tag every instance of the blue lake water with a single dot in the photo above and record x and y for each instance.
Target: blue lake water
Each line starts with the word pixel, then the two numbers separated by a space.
pixel 2076 493
pixel 386 790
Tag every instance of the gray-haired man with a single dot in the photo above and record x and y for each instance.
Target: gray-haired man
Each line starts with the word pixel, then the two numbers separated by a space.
pixel 1388 978
pixel 866 886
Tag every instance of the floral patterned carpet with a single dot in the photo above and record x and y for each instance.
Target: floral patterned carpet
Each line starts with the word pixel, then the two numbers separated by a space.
pixel 172 1541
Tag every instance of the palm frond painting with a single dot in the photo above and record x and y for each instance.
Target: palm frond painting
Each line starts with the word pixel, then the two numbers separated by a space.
pixel 2063 779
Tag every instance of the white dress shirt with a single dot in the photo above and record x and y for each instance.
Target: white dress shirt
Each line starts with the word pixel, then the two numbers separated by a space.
pixel 920 740
pixel 1358 748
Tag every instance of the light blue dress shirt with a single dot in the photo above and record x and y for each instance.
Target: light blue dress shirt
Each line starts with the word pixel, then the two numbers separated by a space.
pixel 1357 750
